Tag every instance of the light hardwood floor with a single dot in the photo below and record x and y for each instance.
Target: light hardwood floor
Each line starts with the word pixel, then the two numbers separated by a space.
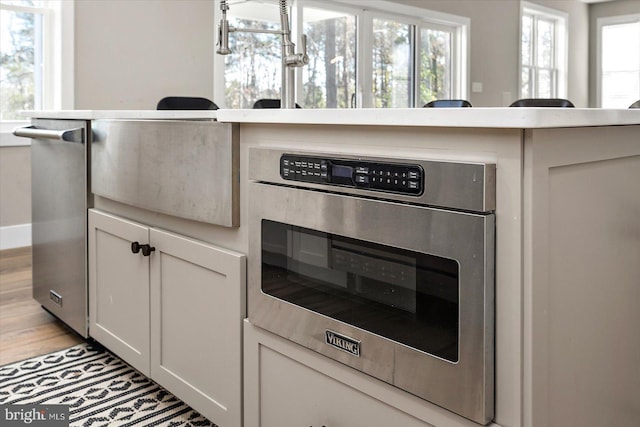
pixel 26 329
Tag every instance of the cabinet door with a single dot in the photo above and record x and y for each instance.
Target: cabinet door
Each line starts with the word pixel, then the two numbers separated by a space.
pixel 119 288
pixel 197 307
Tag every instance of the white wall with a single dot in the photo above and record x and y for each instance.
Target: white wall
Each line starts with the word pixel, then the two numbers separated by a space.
pixel 15 196
pixel 130 54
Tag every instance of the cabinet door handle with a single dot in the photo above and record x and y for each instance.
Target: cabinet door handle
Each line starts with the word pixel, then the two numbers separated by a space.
pixel 146 249
pixel 68 135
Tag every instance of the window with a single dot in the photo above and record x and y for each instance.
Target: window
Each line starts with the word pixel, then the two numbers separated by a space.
pixel 394 56
pixel 619 61
pixel 32 42
pixel 391 63
pixel 329 81
pixel 543 55
pixel 22 53
pixel 437 61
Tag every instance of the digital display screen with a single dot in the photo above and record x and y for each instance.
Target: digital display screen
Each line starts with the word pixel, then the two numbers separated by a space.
pixel 342 171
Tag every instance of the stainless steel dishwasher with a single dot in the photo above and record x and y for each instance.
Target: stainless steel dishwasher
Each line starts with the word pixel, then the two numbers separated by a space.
pixel 60 197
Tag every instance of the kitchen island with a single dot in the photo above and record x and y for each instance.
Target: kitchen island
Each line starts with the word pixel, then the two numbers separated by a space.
pixel 566 274
pixel 567 245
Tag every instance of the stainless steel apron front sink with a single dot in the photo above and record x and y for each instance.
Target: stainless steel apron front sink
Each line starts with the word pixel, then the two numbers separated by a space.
pixel 188 169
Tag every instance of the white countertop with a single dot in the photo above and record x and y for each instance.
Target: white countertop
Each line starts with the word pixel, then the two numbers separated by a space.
pixel 441 117
pixel 123 114
pixel 519 118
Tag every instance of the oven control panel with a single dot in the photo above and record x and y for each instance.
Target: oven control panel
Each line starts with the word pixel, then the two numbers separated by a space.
pixel 371 175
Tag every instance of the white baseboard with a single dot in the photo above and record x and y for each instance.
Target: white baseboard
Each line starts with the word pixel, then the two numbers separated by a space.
pixel 15 236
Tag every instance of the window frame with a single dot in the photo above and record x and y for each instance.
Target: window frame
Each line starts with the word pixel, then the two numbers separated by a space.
pixel 459 62
pixel 418 17
pixel 600 23
pixel 58 63
pixel 560 49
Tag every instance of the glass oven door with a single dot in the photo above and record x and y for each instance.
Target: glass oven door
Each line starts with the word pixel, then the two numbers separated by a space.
pixel 406 296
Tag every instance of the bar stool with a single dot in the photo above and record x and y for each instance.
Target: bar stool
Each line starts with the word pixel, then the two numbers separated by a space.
pixel 447 103
pixel 543 102
pixel 269 103
pixel 185 103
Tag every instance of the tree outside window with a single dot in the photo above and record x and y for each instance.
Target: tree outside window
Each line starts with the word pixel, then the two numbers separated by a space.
pixel 329 81
pixel 391 64
pixel 436 66
pixel 21 53
pixel 252 71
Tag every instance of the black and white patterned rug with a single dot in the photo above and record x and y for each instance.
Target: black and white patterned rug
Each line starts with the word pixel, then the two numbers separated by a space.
pixel 99 389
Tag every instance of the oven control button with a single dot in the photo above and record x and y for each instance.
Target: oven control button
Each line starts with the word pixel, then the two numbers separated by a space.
pixel 362 169
pixel 414 185
pixel 413 175
pixel 362 179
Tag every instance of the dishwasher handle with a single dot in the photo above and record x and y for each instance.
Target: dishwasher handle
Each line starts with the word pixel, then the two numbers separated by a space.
pixel 68 135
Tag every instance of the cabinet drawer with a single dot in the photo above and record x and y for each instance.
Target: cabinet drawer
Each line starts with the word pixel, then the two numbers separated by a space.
pixel 287 385
pixel 292 394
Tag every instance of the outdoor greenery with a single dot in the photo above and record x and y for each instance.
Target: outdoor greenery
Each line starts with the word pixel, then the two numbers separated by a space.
pixel 329 80
pixel 17 59
pixel 435 66
pixel 252 70
pixel 391 63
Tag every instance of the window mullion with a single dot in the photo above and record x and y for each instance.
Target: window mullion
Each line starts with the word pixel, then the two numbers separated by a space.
pixel 365 59
pixel 417 49
pixel 534 57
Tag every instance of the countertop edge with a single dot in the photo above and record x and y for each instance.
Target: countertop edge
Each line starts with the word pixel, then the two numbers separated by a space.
pixel 498 117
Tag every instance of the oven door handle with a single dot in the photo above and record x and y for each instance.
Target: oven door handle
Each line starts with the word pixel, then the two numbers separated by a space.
pixel 67 135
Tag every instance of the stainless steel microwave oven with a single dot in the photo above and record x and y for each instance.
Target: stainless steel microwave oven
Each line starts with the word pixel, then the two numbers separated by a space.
pixel 385 265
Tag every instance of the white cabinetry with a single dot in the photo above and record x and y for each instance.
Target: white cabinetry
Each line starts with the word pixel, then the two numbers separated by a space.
pixel 582 277
pixel 174 314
